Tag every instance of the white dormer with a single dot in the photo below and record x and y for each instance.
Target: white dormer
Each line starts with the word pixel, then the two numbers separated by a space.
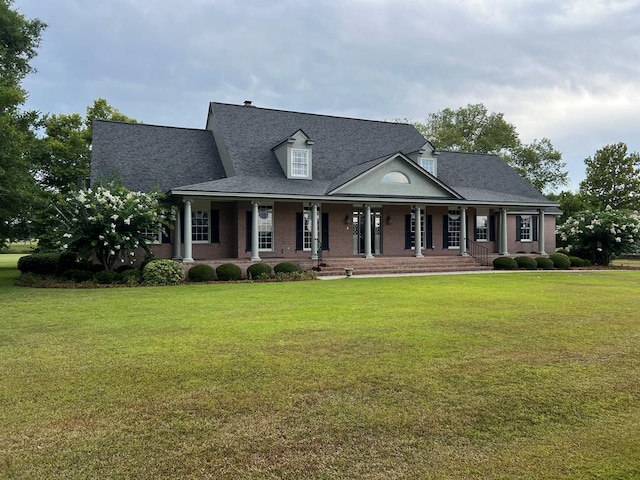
pixel 295 155
pixel 427 158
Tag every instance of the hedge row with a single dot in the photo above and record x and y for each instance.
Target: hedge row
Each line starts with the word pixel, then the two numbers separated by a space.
pixel 556 260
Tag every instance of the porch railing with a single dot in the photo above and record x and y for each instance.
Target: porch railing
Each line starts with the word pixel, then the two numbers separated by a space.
pixel 479 252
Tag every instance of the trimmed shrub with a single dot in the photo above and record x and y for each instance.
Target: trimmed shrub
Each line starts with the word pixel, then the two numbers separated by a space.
pixel 527 263
pixel 201 273
pixel 286 267
pixel 39 263
pixel 77 275
pixel 67 261
pixel 131 277
pixel 544 263
pixel 107 277
pixel 586 262
pixel 259 270
pixel 163 272
pixel 228 272
pixel 504 263
pixel 560 261
pixel 575 261
pixel 562 250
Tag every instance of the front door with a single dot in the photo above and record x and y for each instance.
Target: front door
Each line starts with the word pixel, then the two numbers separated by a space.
pixel 359 222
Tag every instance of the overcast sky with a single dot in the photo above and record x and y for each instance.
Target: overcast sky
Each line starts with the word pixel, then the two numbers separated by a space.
pixel 568 70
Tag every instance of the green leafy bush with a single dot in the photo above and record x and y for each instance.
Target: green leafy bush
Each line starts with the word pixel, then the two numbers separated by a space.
pixel 560 261
pixel 504 263
pixel 77 275
pixel 586 262
pixel 575 261
pixel 201 273
pixel 107 277
pixel 544 263
pixel 286 267
pixel 259 270
pixel 528 263
pixel 67 261
pixel 228 272
pixel 39 263
pixel 163 272
pixel 131 277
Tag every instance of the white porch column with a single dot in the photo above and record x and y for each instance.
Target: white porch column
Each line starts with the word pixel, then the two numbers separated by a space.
pixel 503 232
pixel 367 232
pixel 255 254
pixel 177 235
pixel 541 245
pixel 314 231
pixel 188 233
pixel 463 232
pixel 418 233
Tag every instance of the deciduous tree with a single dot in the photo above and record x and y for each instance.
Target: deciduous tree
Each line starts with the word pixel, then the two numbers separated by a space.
pixel 19 40
pixel 612 178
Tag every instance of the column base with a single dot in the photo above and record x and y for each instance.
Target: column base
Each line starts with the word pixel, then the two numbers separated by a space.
pixel 187 260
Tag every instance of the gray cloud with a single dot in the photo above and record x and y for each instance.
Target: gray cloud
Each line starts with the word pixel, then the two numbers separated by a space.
pixel 563 70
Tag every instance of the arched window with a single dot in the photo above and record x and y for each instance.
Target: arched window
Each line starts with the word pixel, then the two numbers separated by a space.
pixel 395 177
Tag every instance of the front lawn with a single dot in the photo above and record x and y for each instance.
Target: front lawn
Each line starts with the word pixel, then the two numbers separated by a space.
pixel 527 375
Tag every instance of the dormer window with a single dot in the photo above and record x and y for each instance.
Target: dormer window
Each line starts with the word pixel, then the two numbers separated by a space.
pixel 299 162
pixel 429 164
pixel 295 155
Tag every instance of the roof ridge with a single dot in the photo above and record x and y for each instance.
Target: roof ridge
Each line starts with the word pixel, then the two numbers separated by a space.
pixel 310 113
pixel 152 125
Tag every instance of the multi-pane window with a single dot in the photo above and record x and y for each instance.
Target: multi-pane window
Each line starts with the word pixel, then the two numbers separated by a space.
pixel 526 228
pixel 307 228
pixel 299 162
pixel 429 164
pixel 154 236
pixel 265 228
pixel 453 226
pixel 482 228
pixel 200 225
pixel 413 230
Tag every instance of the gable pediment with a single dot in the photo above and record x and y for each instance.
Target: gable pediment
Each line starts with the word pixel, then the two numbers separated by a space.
pixel 395 176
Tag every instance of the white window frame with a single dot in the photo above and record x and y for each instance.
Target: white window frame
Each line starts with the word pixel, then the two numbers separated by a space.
pixel 454 225
pixel 526 228
pixel 154 235
pixel 265 228
pixel 306 229
pixel 482 232
pixel 300 165
pixel 201 226
pixel 429 164
pixel 423 237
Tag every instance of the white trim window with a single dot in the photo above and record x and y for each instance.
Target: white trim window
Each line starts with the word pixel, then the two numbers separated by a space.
pixel 526 228
pixel 299 162
pixel 307 228
pixel 265 228
pixel 482 228
pixel 200 226
pixel 453 226
pixel 412 228
pixel 155 236
pixel 429 164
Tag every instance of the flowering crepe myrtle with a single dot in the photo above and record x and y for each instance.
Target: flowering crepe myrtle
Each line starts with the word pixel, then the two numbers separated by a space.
pixel 110 223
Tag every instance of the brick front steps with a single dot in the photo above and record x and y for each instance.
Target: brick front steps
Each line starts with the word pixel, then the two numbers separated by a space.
pixel 396 265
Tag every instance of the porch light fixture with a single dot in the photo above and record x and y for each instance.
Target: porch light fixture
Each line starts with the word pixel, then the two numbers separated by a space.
pixel 346 219
pixel 388 219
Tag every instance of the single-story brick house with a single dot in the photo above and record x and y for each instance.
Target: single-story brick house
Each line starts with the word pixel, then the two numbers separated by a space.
pixel 260 183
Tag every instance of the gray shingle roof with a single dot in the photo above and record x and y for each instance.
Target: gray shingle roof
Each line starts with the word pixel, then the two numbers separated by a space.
pixel 150 156
pixel 179 159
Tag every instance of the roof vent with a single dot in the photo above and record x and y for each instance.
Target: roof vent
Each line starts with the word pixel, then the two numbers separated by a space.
pixel 247 103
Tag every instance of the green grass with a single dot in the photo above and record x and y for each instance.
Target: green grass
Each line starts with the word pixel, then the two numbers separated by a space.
pixel 527 375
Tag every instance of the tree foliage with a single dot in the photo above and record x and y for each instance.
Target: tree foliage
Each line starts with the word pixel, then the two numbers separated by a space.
pixel 109 223
pixel 474 129
pixel 612 178
pixel 63 154
pixel 19 40
pixel 470 129
pixel 601 235
pixel 540 164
